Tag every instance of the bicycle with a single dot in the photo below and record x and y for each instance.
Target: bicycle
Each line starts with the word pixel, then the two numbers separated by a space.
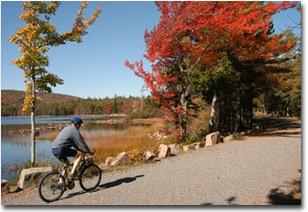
pixel 55 184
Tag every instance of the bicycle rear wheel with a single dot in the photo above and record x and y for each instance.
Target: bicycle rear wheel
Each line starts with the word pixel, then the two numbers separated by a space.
pixel 51 187
pixel 90 177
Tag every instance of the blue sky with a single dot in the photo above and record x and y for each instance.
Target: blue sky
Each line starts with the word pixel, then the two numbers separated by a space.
pixel 95 68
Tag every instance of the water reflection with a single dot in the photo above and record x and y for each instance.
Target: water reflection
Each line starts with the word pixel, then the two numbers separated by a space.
pixel 16 150
pixel 22 120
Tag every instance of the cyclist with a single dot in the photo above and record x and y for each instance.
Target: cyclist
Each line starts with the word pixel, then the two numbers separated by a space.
pixel 67 143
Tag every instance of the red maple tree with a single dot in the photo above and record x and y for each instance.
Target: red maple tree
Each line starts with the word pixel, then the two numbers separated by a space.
pixel 198 33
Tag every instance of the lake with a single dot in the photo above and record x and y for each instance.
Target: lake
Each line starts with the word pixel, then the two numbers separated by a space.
pixel 22 120
pixel 16 149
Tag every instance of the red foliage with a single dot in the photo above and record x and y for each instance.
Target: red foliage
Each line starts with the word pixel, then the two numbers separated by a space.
pixel 200 32
pixel 158 83
pixel 203 30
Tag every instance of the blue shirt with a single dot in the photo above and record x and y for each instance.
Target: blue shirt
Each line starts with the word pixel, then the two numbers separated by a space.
pixel 70 137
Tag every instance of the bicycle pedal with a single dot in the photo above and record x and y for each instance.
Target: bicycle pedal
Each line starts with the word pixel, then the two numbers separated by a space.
pixel 70 185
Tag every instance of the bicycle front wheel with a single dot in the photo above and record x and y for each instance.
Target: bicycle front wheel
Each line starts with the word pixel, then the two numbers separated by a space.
pixel 51 187
pixel 90 177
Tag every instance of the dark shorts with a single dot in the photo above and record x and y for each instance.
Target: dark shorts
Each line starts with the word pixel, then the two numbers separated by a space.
pixel 62 153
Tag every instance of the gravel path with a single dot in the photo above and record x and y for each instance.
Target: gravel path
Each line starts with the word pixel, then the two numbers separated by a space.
pixel 238 172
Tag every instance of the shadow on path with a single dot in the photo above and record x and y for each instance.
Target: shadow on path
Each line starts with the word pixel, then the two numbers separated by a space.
pixel 277 123
pixel 119 182
pixel 271 126
pixel 282 134
pixel 289 194
pixel 230 201
pixel 278 197
pixel 105 186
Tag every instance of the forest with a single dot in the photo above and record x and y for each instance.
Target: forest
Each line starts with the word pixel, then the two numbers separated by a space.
pixel 59 105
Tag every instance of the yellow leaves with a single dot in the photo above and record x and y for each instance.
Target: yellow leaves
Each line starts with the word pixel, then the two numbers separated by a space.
pixel 80 25
pixel 79 17
pixel 28 99
pixel 12 39
pixel 31 58
pixel 18 62
pixel 21 31
pixel 83 5
pixel 53 6
pixel 27 31
pixel 27 15
pixel 27 4
pixel 28 74
pixel 43 49
pixel 93 17
pixel 89 21
pixel 50 27
pixel 32 36
pixel 66 35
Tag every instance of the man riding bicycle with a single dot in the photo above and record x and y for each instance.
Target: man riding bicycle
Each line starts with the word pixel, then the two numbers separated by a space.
pixel 67 143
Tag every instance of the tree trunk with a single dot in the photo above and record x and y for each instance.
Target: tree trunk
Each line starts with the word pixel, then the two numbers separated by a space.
pixel 265 112
pixel 250 116
pixel 237 114
pixel 183 117
pixel 183 128
pixel 212 122
pixel 141 103
pixel 33 134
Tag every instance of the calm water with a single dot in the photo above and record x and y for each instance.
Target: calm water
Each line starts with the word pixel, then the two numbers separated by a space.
pixel 21 120
pixel 16 150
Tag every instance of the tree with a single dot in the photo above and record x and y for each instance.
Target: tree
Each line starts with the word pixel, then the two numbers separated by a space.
pixel 167 93
pixel 34 40
pixel 192 34
pixel 283 98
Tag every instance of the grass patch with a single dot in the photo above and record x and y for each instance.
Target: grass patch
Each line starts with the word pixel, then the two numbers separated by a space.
pixel 48 135
pixel 135 139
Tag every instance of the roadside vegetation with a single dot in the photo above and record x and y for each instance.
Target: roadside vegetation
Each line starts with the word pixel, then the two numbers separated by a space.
pixel 135 139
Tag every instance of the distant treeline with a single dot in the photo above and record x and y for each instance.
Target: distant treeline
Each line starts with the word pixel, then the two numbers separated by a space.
pixel 52 104
pixel 89 106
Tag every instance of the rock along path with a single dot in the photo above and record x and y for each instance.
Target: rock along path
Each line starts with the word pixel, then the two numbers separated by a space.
pixel 238 172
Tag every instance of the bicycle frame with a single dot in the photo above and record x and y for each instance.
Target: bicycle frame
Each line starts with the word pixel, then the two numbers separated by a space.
pixel 83 162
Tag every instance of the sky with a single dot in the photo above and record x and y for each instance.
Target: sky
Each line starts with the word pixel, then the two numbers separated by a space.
pixel 94 68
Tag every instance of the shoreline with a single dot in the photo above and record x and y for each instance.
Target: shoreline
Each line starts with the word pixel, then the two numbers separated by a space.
pixel 58 124
pixel 113 114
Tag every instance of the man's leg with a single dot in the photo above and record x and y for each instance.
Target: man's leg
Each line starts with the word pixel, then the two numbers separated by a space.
pixel 76 162
pixel 66 163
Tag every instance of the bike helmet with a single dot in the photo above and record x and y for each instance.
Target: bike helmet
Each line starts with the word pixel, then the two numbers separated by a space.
pixel 76 120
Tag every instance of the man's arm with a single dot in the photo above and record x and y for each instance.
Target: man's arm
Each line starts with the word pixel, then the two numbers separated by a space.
pixel 79 142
